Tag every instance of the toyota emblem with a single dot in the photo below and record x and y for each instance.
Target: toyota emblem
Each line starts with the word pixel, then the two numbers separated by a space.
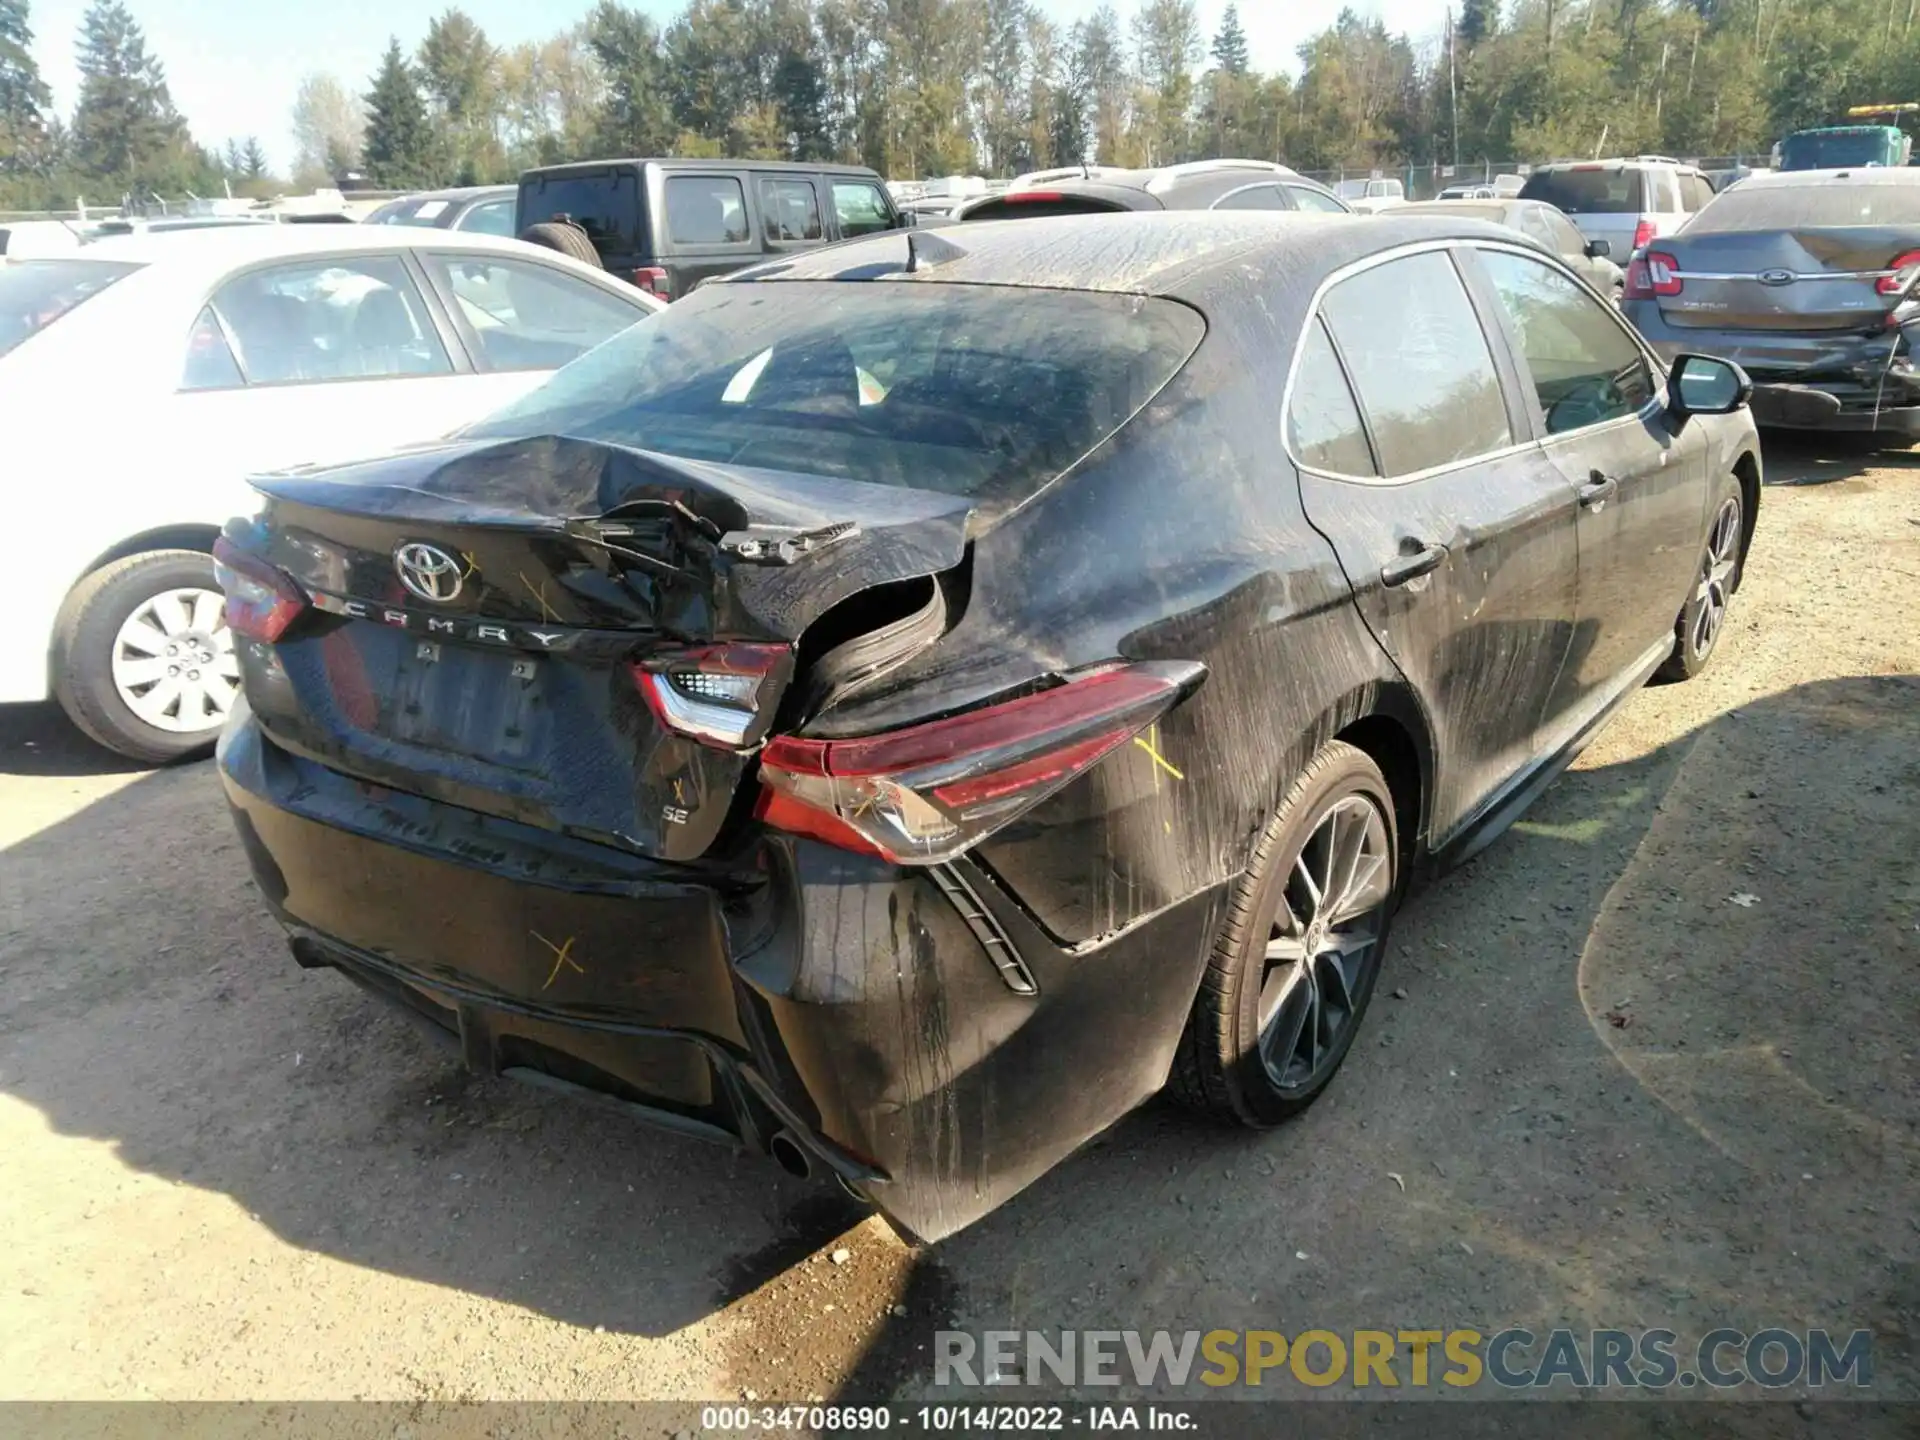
pixel 428 571
pixel 1777 277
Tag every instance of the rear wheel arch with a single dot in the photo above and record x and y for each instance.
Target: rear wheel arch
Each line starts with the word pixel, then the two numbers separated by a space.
pixel 167 537
pixel 1405 760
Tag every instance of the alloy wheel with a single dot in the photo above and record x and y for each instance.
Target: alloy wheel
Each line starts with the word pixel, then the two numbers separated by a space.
pixel 1324 943
pixel 1715 590
pixel 173 661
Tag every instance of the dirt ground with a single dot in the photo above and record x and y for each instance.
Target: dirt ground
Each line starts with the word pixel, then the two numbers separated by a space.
pixel 1650 1060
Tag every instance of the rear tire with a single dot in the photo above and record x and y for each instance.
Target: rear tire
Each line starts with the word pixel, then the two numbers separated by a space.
pixel 568 239
pixel 1295 962
pixel 110 658
pixel 1702 620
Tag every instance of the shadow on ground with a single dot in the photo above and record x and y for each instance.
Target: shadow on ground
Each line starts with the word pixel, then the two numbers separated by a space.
pixel 1794 457
pixel 40 740
pixel 1598 1087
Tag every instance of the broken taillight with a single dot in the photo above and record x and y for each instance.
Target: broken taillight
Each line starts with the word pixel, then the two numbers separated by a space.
pixel 720 695
pixel 1904 270
pixel 926 793
pixel 1651 274
pixel 262 599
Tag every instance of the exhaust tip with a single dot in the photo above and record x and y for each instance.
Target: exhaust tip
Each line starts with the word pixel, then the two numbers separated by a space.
pixel 790 1156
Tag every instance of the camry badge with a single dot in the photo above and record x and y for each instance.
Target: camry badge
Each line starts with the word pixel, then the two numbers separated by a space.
pixel 428 571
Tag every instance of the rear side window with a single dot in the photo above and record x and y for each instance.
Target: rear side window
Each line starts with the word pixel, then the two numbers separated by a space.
pixel 604 203
pixel 1818 203
pixel 354 318
pixel 790 211
pixel 35 293
pixel 706 210
pixel 492 217
pixel 525 316
pixel 1581 190
pixel 970 390
pixel 860 208
pixel 1323 422
pixel 1308 198
pixel 1695 192
pixel 209 364
pixel 1420 363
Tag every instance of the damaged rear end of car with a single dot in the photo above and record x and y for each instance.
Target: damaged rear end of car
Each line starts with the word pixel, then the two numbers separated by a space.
pixel 1806 280
pixel 546 735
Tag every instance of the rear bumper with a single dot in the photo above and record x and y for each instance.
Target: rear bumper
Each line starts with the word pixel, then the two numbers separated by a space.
pixel 868 1014
pixel 1858 383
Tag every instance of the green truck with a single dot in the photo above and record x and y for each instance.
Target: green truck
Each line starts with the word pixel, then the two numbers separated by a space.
pixel 1840 147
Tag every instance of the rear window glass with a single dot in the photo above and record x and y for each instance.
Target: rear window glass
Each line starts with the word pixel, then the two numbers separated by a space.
pixel 966 389
pixel 1589 192
pixel 35 293
pixel 605 204
pixel 1027 207
pixel 1820 203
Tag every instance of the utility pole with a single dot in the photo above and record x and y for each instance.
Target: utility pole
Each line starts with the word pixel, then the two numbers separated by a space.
pixel 1453 90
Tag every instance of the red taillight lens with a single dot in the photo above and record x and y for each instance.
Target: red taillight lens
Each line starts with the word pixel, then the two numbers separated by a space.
pixel 262 599
pixel 1029 197
pixel 652 279
pixel 1906 269
pixel 1651 274
pixel 1643 235
pixel 927 793
pixel 720 695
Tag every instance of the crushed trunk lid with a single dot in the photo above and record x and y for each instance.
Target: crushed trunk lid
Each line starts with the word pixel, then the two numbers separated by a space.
pixel 547 628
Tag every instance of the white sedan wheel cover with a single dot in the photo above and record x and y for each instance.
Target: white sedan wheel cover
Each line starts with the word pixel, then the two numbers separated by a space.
pixel 173 662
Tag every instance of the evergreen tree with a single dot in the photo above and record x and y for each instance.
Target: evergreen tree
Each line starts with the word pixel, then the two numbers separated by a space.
pixel 253 160
pixel 1478 20
pixel 635 118
pixel 23 95
pixel 399 144
pixel 126 134
pixel 1230 44
pixel 800 92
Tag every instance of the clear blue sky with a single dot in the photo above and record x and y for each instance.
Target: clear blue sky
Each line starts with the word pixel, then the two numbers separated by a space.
pixel 233 64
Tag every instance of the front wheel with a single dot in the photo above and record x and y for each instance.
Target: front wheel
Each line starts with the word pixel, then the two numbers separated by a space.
pixel 1295 963
pixel 1696 633
pixel 143 661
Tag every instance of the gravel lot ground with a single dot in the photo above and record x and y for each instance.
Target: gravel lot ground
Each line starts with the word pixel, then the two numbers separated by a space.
pixel 1650 1060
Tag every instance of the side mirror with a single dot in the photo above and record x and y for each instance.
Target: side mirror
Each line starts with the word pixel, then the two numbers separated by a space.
pixel 1703 385
pixel 1598 249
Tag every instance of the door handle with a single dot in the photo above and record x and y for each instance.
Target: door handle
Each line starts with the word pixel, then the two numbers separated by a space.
pixel 1411 567
pixel 1597 491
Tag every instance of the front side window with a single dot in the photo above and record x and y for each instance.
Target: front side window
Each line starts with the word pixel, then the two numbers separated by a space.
pixel 1254 197
pixel 1420 363
pixel 353 317
pixel 1586 369
pixel 860 208
pixel 527 316
pixel 1323 422
pixel 790 211
pixel 706 210
pixel 974 390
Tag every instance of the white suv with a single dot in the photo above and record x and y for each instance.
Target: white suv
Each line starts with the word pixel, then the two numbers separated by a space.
pixel 1626 203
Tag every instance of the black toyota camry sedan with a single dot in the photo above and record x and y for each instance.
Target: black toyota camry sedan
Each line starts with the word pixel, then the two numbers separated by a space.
pixel 907 704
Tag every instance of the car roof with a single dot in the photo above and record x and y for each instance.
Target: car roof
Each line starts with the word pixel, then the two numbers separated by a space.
pixel 219 247
pixel 1182 253
pixel 1852 175
pixel 1620 162
pixel 456 192
pixel 1494 208
pixel 583 167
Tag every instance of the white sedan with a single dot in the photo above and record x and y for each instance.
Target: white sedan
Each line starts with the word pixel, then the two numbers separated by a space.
pixel 143 379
